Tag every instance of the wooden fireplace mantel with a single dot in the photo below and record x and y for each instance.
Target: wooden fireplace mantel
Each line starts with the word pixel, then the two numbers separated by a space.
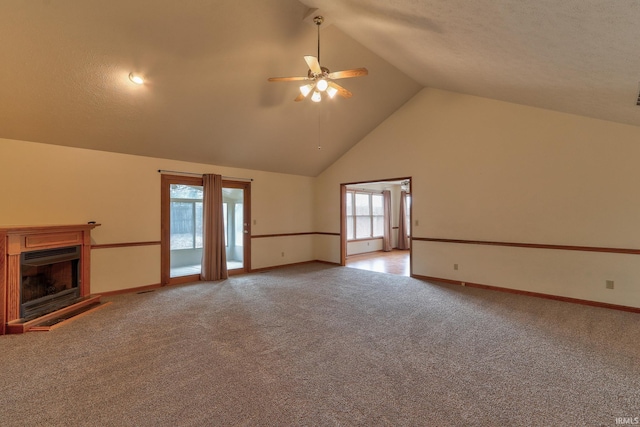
pixel 14 240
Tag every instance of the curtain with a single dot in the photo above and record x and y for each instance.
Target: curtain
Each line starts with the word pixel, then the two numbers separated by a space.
pixel 214 257
pixel 403 239
pixel 386 237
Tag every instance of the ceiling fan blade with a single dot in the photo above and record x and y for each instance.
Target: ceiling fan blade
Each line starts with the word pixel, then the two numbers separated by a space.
pixel 286 79
pixel 356 72
pixel 341 91
pixel 313 64
pixel 300 97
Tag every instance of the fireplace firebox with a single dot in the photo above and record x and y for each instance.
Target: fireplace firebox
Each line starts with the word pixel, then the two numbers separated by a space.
pixel 50 280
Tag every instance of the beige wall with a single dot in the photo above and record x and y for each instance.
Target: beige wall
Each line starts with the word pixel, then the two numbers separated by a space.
pixel 489 170
pixel 481 170
pixel 283 250
pixel 47 184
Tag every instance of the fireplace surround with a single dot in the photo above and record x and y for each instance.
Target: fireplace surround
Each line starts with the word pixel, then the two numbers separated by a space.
pixel 44 270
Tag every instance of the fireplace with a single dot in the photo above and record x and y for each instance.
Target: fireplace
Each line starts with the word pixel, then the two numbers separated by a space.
pixel 50 280
pixel 44 275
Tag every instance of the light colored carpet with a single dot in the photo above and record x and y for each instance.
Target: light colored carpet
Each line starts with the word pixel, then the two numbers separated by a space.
pixel 322 345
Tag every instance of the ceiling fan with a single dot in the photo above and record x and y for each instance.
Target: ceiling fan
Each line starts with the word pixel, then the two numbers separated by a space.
pixel 320 79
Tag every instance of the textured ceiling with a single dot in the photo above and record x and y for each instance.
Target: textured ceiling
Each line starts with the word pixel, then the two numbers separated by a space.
pixel 575 56
pixel 65 64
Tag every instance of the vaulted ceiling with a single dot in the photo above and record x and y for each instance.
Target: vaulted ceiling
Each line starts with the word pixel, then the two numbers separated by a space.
pixel 65 66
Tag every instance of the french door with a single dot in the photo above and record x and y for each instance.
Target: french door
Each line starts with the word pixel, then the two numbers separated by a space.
pixel 181 218
pixel 236 205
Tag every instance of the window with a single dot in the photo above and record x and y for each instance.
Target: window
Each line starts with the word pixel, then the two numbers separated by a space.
pixel 239 230
pixel 365 215
pixel 186 216
pixel 225 216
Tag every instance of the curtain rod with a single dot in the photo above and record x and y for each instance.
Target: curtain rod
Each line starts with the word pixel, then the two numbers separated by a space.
pixel 200 174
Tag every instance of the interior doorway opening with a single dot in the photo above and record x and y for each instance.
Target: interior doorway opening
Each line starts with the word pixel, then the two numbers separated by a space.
pixel 376 225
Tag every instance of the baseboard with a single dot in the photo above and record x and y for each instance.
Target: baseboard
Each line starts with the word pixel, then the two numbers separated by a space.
pixel 131 290
pixel 395 249
pixel 530 294
pixel 147 288
pixel 335 264
pixel 259 270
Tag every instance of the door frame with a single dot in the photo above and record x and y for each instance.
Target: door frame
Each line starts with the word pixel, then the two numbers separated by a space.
pixel 343 217
pixel 246 212
pixel 165 228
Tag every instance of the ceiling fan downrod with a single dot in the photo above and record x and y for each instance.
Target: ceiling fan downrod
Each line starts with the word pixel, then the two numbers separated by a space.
pixel 318 20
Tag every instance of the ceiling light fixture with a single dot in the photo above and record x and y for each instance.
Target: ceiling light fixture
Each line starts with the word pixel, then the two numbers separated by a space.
pixel 322 79
pixel 331 91
pixel 136 78
pixel 306 89
pixel 322 85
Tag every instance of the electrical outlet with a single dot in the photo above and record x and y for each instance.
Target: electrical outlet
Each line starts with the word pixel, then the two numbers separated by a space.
pixel 609 284
pixel 282 254
pixel 417 223
pixel 463 283
pixel 455 266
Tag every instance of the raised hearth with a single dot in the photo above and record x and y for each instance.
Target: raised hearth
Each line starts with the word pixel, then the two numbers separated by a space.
pixel 43 270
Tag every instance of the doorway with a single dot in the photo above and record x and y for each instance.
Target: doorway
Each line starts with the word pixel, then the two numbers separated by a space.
pixel 182 220
pixel 362 218
pixel 236 202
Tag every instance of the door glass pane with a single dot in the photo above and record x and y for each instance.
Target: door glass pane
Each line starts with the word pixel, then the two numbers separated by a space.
pixel 234 227
pixel 225 215
pixel 198 220
pixel 239 225
pixel 185 233
pixel 182 227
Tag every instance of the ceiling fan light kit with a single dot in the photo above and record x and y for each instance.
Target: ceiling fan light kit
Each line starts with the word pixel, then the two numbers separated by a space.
pixel 321 79
pixel 322 85
pixel 306 89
